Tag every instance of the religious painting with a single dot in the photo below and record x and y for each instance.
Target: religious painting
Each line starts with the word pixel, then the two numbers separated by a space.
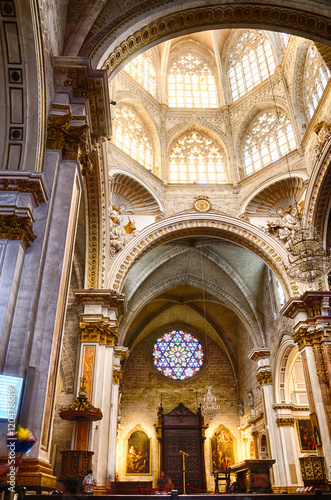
pixel 306 435
pixel 222 449
pixel 138 454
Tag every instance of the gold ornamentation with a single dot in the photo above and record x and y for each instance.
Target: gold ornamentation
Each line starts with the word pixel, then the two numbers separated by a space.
pixel 264 377
pixel 191 19
pixel 14 227
pixel 25 182
pixel 57 130
pixel 99 332
pixel 285 421
pixel 117 377
pixel 255 434
pixel 310 335
pixel 312 468
pixel 81 409
pixel 201 203
pixel 258 354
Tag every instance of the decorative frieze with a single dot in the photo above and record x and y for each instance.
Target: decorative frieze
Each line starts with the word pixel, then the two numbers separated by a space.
pixel 102 333
pixel 285 421
pixel 25 182
pixel 105 298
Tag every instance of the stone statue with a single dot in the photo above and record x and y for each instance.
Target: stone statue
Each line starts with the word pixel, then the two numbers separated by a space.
pixel 119 235
pixel 250 398
pixel 287 224
pixel 241 408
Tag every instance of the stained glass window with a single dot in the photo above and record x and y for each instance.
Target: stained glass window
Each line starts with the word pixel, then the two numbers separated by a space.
pixel 316 77
pixel 191 84
pixel 131 137
pixel 142 70
pixel 195 158
pixel 178 355
pixel 252 62
pixel 269 137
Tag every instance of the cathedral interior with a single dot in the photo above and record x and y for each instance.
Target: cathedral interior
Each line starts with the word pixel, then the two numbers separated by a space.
pixel 165 237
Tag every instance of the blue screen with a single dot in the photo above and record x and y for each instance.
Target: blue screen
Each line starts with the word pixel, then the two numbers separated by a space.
pixel 10 393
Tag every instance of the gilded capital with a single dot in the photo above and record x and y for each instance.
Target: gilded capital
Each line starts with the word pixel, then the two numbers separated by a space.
pixel 264 377
pixel 117 377
pixel 285 421
pixel 102 333
pixel 15 227
pixel 309 335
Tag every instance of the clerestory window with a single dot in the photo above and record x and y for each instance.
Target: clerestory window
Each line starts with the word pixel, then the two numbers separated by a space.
pixel 268 139
pixel 142 70
pixel 195 158
pixel 191 83
pixel 252 62
pixel 316 77
pixel 131 137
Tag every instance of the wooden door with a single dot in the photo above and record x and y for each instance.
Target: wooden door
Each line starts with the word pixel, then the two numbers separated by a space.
pixel 182 430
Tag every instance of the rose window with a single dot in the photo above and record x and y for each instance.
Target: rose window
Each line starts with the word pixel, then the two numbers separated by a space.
pixel 178 355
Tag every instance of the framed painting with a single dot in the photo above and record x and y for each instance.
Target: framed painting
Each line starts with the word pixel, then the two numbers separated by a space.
pixel 222 449
pixel 306 435
pixel 138 454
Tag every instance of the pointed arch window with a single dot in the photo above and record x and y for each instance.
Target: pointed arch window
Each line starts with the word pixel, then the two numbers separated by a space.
pixel 252 62
pixel 142 70
pixel 316 76
pixel 269 138
pixel 195 158
pixel 191 83
pixel 130 136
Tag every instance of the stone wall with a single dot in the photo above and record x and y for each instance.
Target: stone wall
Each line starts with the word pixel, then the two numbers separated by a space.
pixel 143 389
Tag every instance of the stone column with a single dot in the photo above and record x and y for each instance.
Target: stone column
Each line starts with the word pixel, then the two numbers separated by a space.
pixel 286 424
pixel 99 336
pixel 120 353
pixel 264 377
pixel 256 445
pixel 312 332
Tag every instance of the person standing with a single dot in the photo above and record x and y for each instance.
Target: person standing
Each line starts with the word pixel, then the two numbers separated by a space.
pixel 88 483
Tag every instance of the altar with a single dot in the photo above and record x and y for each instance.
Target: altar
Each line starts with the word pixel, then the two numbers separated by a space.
pixel 253 475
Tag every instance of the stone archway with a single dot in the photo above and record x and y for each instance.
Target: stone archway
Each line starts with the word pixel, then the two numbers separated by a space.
pixel 214 225
pixel 310 21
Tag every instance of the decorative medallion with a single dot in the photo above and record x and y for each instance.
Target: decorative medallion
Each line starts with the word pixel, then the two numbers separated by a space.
pixel 202 204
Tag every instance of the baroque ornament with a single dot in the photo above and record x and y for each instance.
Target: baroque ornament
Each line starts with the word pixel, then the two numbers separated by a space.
pixel 98 332
pixel 119 235
pixel 14 227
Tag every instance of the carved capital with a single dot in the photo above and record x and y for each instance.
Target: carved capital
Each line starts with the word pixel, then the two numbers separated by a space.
pixel 17 227
pixel 117 376
pixel 255 434
pixel 98 332
pixel 58 130
pixel 285 421
pixel 264 377
pixel 310 335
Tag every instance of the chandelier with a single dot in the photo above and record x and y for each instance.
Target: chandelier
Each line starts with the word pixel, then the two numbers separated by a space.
pixel 308 261
pixel 210 408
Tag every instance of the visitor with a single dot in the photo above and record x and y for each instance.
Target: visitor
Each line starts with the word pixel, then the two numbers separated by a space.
pixel 162 484
pixel 88 483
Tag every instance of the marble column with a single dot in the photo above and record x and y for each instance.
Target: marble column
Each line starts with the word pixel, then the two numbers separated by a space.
pixel 120 354
pixel 312 332
pixel 99 337
pixel 264 377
